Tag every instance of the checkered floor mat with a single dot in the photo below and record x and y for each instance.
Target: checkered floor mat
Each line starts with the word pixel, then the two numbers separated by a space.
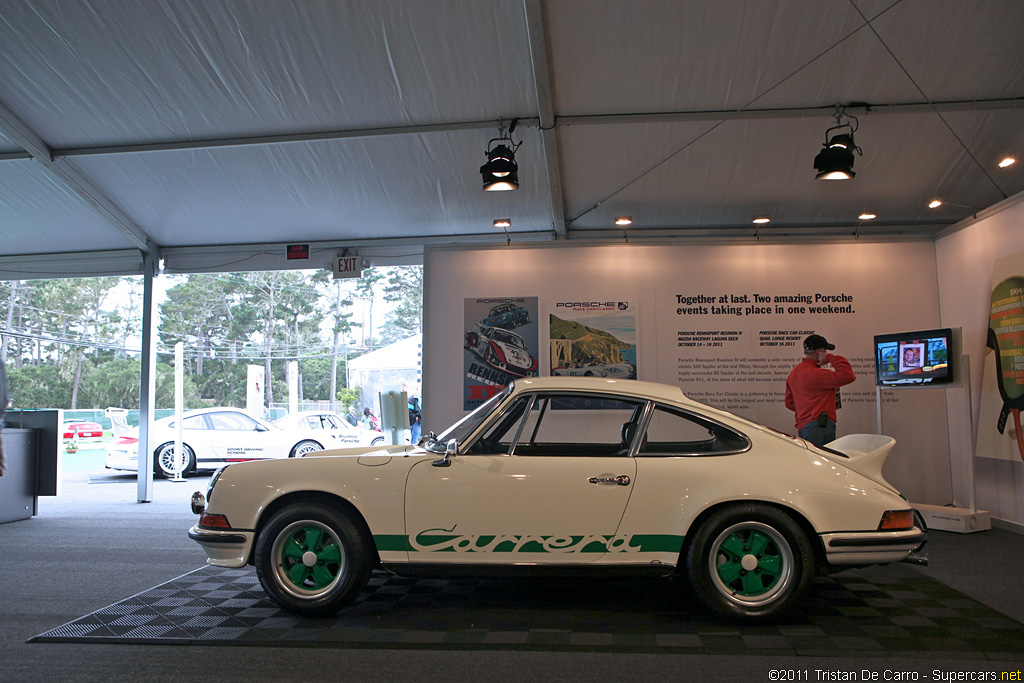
pixel 847 615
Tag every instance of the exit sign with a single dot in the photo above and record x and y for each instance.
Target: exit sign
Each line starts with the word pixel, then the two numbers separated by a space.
pixel 348 267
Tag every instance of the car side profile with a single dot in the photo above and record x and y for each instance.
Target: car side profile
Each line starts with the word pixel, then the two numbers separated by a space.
pixel 567 476
pixel 213 437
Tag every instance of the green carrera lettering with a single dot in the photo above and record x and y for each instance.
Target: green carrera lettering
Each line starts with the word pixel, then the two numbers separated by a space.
pixel 446 540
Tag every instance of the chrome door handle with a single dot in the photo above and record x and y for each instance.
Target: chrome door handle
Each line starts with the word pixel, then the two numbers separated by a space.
pixel 621 480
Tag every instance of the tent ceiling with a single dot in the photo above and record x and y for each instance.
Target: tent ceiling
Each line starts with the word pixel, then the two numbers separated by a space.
pixel 205 130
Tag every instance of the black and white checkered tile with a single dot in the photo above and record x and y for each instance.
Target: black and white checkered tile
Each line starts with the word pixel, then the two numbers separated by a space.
pixel 849 615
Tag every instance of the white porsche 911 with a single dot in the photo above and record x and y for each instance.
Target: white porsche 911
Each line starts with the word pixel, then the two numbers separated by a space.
pixel 567 475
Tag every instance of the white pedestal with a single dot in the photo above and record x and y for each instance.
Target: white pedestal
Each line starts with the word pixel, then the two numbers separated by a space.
pixel 960 520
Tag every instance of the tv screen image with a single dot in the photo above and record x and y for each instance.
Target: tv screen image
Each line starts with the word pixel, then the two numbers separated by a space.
pixel 914 358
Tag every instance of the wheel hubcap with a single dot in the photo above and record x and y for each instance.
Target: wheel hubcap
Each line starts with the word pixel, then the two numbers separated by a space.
pixel 751 563
pixel 310 559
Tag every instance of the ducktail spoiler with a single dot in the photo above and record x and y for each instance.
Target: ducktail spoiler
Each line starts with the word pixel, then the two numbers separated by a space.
pixel 866 453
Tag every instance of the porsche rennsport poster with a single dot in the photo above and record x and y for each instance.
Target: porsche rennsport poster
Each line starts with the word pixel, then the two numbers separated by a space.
pixel 593 339
pixel 501 343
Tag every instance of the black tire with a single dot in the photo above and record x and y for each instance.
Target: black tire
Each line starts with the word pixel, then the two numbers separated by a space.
pixel 750 561
pixel 312 559
pixel 378 441
pixel 303 447
pixel 165 464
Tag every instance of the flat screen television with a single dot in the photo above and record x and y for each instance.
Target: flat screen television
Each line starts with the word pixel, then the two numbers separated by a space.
pixel 914 358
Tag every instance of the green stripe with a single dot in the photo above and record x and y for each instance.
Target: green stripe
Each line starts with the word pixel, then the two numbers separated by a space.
pixel 644 543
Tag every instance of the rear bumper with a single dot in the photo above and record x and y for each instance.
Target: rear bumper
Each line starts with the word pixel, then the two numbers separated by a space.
pixel 872 547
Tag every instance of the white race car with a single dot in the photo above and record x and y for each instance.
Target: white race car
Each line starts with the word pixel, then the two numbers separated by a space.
pixel 344 433
pixel 502 350
pixel 212 437
pixel 571 476
pixel 616 370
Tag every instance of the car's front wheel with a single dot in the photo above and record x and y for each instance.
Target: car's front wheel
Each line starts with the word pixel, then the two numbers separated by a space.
pixel 167 464
pixel 312 559
pixel 303 447
pixel 752 561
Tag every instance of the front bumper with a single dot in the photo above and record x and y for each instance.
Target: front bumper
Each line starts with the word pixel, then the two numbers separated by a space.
pixel 872 547
pixel 223 547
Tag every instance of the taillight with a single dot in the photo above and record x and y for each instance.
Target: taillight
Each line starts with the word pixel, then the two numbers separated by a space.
pixel 214 521
pixel 896 520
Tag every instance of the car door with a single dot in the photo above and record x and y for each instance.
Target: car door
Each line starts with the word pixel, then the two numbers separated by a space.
pixel 237 437
pixel 547 482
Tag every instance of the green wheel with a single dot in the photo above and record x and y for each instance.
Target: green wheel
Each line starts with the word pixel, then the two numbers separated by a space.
pixel 751 561
pixel 311 559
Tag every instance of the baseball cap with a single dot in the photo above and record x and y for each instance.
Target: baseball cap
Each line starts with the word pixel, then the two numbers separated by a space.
pixel 815 342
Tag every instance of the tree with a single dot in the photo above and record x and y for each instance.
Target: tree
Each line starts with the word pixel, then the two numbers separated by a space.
pixel 404 288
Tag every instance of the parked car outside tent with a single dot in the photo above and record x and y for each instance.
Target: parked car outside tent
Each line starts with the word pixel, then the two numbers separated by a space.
pixel 212 437
pixel 568 475
pixel 345 434
pixel 82 429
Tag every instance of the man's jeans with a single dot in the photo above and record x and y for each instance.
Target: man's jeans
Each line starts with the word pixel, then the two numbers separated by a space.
pixel 819 436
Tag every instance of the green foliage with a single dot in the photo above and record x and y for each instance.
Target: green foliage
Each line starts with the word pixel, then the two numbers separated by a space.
pixel 72 336
pixel 347 397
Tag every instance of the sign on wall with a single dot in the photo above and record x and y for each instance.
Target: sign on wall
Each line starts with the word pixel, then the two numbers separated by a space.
pixel 1000 423
pixel 500 343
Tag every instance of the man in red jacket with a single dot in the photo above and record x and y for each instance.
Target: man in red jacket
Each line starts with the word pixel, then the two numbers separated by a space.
pixel 812 387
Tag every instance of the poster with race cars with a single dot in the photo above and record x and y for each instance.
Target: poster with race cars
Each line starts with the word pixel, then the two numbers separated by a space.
pixel 594 339
pixel 501 343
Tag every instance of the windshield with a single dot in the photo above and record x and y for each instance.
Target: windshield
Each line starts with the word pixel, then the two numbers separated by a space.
pixel 467 425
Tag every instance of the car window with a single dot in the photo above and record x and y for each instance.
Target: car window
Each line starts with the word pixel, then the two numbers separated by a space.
pixel 502 432
pixel 193 422
pixel 233 422
pixel 579 424
pixel 676 432
pixel 314 422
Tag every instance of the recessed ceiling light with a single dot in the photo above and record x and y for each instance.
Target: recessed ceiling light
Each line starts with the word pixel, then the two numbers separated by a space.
pixel 1008 161
pixel 623 220
pixel 867 216
pixel 934 204
pixel 762 219
pixel 503 223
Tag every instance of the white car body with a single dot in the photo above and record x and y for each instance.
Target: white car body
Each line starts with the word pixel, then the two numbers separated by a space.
pixel 613 370
pixel 491 508
pixel 213 437
pixel 344 433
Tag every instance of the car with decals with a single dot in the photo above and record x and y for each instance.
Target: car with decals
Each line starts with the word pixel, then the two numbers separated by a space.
pixel 502 350
pixel 615 370
pixel 213 437
pixel 344 433
pixel 506 315
pixel 567 476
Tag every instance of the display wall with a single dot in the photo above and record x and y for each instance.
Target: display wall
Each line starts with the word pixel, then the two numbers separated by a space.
pixel 967 263
pixel 723 322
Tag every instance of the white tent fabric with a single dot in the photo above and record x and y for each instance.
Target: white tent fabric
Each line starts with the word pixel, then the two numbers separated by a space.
pixel 200 127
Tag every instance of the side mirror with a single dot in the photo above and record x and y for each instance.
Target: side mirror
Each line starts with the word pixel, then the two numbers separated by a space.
pixel 450 449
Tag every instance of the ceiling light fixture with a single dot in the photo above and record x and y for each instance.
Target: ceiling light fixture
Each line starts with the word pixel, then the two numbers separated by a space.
pixel 935 203
pixel 835 161
pixel 1008 161
pixel 501 172
pixel 504 224
pixel 867 216
pixel 623 220
pixel 762 219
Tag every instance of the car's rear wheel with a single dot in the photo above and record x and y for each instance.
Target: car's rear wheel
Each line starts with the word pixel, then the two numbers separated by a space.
pixel 167 464
pixel 752 561
pixel 312 559
pixel 303 447
pixel 379 441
